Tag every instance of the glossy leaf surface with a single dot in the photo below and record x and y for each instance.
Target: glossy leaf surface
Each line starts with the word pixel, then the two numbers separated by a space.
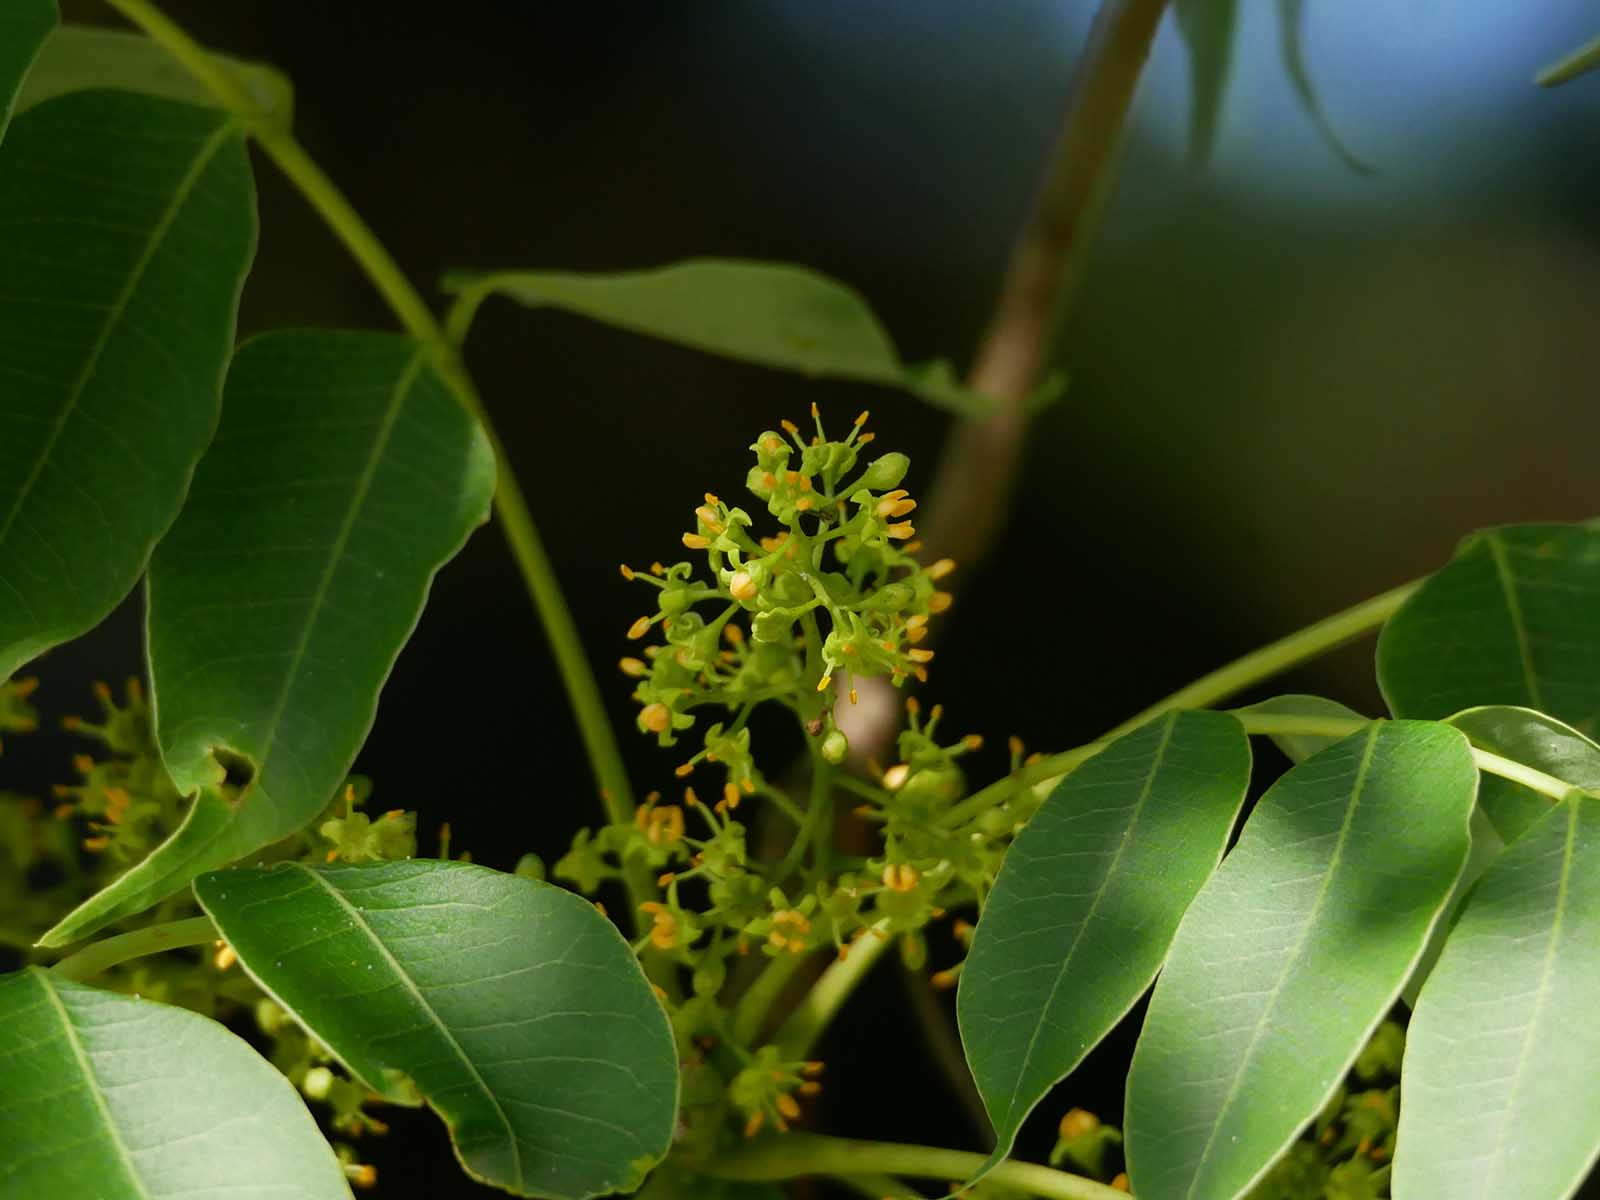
pixel 344 474
pixel 24 27
pixel 1208 31
pixel 122 1099
pixel 1087 901
pixel 773 314
pixel 1293 953
pixel 126 227
pixel 1537 741
pixel 514 1007
pixel 1501 1094
pixel 78 57
pixel 1513 618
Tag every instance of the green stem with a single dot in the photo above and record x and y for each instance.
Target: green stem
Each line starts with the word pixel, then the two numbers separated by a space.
pixel 796 1155
pixel 751 1014
pixel 821 1004
pixel 1494 764
pixel 511 506
pixel 152 939
pixel 1241 673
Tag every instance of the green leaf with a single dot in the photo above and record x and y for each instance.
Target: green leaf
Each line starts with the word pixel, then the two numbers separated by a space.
pixel 1293 953
pixel 1501 1093
pixel 1581 61
pixel 1291 14
pixel 123 1099
pixel 1536 741
pixel 514 1007
pixel 344 475
pixel 1297 747
pixel 1208 29
pixel 1513 619
pixel 126 227
pixel 1087 901
pixel 24 27
pixel 79 57
pixel 768 313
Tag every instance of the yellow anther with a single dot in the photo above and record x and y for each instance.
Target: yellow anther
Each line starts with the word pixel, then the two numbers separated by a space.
pixel 941 568
pixel 790 427
pixel 854 697
pixel 772 445
pixel 224 957
pixel 787 1106
pixel 945 980
pixel 731 795
pixel 639 628
pixel 683 770
pixel 805 483
pixel 96 844
pixel 362 1175
pixel 915 633
pixel 627 571
pixel 861 418
pixel 657 718
pixel 710 499
pixel 895 777
pixel 814 411
pixel 1014 744
pixel 913 705
pixel 709 518
pixel 1076 1123
pixel 973 741
pixel 734 634
pixel 665 879
pixel 822 684
pixel 920 656
pixel 753 1125
pixel 695 541
pixel 634 667
pixel 902 530
pixel 804 505
pixel 895 508
pixel 865 438
pixel 741 586
pixel 900 877
pixel 940 601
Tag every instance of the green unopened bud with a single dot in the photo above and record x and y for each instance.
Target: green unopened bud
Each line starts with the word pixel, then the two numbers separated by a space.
pixel 771 627
pixel 530 866
pixel 317 1083
pixel 886 472
pixel 709 977
pixel 835 746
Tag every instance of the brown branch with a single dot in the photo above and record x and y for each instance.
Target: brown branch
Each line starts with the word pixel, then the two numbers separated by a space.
pixel 971 493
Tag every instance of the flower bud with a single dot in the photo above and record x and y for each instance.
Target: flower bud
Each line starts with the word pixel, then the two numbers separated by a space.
pixel 886 471
pixel 835 747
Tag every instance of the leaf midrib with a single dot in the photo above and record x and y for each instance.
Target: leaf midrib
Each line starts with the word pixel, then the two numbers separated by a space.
pixel 1289 961
pixel 1519 627
pixel 1094 906
pixel 124 1157
pixel 341 542
pixel 409 984
pixel 1546 969
pixel 117 311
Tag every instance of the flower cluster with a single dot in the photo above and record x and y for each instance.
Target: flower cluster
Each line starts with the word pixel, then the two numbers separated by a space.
pixel 834 594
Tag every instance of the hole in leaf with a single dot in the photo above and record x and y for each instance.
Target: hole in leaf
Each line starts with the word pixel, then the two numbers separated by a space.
pixel 238 772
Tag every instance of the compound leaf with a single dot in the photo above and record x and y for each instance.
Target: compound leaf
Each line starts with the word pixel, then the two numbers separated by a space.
pixel 79 57
pixel 1501 1095
pixel 1292 954
pixel 1087 901
pixel 127 224
pixel 512 1006
pixel 773 314
pixel 344 475
pixel 1512 619
pixel 123 1099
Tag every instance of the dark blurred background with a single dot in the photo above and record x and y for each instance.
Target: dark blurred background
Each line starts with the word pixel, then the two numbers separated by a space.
pixel 1292 385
